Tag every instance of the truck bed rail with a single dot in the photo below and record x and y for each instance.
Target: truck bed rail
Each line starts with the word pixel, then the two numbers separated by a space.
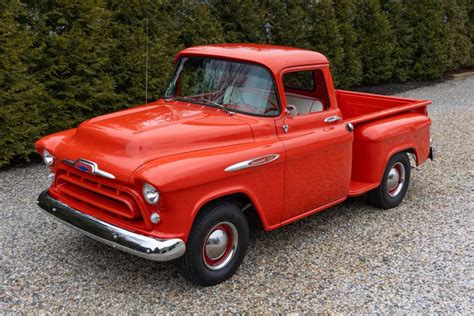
pixel 358 107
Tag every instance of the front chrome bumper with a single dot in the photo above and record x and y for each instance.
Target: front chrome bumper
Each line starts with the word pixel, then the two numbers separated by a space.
pixel 136 244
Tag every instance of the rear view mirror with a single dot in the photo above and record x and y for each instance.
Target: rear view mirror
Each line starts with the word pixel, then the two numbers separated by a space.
pixel 291 111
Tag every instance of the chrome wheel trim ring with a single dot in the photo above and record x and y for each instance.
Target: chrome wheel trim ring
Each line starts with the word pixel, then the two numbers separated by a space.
pixel 395 179
pixel 220 245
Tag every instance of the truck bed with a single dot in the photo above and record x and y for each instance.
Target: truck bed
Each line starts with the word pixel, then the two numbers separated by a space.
pixel 357 107
pixel 369 111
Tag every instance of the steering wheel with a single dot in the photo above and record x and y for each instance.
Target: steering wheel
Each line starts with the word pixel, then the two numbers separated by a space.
pixel 239 98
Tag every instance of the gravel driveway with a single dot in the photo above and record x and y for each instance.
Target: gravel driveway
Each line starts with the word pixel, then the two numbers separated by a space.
pixel 350 258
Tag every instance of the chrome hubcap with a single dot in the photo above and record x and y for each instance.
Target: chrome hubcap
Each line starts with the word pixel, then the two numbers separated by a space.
pixel 396 179
pixel 216 244
pixel 220 245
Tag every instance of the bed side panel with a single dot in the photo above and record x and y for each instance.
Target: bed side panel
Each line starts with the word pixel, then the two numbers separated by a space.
pixel 357 104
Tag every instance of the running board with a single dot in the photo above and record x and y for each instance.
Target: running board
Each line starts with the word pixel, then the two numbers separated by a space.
pixel 357 188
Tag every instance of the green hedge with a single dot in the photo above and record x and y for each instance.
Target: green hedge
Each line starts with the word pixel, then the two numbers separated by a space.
pixel 62 62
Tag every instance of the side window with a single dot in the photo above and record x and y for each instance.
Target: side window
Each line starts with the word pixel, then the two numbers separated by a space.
pixel 299 80
pixel 306 90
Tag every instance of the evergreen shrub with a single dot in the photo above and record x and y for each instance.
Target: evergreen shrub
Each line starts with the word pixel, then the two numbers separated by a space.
pixel 62 62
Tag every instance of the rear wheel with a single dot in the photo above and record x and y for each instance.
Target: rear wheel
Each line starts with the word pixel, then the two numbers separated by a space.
pixel 394 183
pixel 216 245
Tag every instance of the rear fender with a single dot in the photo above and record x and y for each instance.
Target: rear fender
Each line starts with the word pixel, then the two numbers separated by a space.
pixel 377 141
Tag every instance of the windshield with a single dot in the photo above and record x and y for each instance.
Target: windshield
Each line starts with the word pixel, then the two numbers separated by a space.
pixel 235 86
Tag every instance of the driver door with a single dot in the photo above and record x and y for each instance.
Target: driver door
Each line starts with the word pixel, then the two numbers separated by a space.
pixel 318 145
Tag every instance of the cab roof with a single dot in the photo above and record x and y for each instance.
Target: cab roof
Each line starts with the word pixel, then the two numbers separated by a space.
pixel 274 57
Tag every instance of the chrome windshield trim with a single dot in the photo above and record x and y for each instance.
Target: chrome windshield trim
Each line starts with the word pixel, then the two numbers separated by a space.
pixel 254 162
pixel 178 69
pixel 122 239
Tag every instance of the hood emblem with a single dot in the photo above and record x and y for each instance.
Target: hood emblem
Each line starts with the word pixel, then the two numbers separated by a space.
pixel 88 166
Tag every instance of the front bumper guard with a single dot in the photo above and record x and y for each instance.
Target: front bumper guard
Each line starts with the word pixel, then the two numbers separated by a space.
pixel 136 244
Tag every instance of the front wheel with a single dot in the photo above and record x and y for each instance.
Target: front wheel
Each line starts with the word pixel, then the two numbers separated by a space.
pixel 394 185
pixel 216 245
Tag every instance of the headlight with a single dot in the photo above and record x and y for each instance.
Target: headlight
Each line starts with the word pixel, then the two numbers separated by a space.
pixel 47 158
pixel 150 194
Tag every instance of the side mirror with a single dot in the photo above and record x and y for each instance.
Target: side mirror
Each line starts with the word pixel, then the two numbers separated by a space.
pixel 291 111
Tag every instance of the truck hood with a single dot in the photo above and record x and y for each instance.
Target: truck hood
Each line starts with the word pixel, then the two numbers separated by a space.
pixel 122 141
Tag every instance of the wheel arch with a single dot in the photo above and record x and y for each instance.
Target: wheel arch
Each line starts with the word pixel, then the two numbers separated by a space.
pixel 407 148
pixel 243 198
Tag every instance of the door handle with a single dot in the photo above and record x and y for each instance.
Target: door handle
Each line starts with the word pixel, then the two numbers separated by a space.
pixel 332 119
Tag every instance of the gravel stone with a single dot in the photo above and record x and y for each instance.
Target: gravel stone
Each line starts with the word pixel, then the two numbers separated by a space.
pixel 417 258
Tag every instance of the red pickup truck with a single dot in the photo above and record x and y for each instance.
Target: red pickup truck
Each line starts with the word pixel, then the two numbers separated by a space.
pixel 242 129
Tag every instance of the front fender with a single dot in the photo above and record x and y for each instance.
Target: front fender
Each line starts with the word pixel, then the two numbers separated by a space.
pixel 50 142
pixel 188 181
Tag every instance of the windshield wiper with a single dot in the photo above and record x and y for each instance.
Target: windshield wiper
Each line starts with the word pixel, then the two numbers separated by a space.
pixel 220 106
pixel 210 102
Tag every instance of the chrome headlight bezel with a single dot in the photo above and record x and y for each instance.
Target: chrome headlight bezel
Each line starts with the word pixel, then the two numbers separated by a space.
pixel 150 194
pixel 48 158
